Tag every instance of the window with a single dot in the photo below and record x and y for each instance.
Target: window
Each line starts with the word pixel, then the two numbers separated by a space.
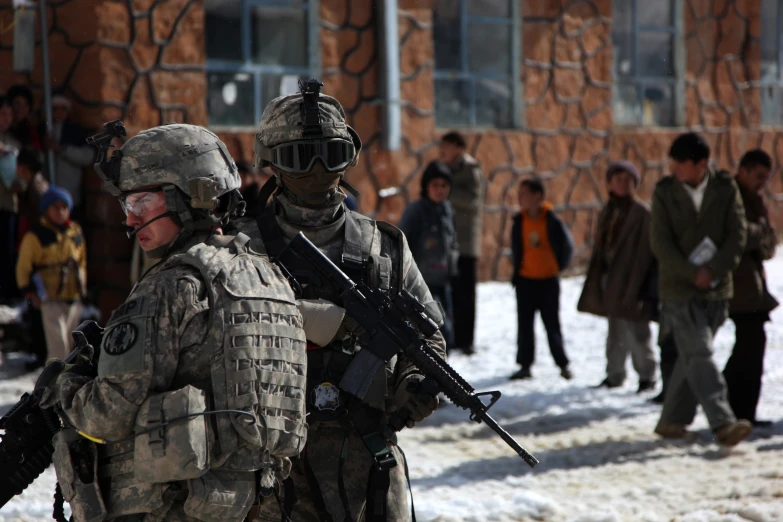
pixel 477 63
pixel 648 62
pixel 256 50
pixel 771 64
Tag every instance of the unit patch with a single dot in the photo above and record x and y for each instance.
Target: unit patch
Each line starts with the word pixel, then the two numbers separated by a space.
pixel 120 339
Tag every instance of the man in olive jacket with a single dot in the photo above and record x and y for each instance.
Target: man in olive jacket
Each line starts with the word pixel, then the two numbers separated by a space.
pixel 698 233
pixel 467 199
pixel 752 302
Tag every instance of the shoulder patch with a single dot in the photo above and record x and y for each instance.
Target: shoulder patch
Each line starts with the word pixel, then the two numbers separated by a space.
pixel 120 339
pixel 132 308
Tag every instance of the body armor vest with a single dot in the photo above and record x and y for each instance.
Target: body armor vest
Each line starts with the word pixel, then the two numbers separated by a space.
pixel 258 364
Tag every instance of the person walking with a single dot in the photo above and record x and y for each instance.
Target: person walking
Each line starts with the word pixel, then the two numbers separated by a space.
pixel 619 278
pixel 752 302
pixel 698 233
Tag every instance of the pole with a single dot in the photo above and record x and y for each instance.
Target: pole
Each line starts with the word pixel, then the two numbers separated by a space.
pixel 47 86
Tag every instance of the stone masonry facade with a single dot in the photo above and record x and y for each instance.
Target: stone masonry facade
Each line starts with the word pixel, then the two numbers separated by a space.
pixel 143 61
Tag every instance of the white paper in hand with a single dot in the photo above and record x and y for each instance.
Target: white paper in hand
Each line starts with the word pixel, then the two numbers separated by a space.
pixel 703 252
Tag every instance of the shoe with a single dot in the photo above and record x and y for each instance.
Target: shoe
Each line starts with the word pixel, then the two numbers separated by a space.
pixel 734 433
pixel 658 399
pixel 646 386
pixel 523 373
pixel 762 423
pixel 566 374
pixel 606 383
pixel 674 431
pixel 467 350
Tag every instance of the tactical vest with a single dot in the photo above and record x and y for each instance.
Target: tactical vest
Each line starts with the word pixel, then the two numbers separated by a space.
pixel 258 364
pixel 262 366
pixel 364 258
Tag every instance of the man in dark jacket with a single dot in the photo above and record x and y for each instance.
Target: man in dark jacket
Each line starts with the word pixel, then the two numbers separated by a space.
pixel 617 285
pixel 698 234
pixel 428 223
pixel 542 247
pixel 752 302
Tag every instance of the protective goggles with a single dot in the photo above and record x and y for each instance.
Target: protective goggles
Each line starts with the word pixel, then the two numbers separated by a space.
pixel 140 202
pixel 299 156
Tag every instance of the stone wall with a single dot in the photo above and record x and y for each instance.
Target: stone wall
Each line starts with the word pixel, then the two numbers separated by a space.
pixel 140 61
pixel 143 60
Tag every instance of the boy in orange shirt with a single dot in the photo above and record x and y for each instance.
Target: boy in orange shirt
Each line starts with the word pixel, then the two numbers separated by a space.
pixel 542 247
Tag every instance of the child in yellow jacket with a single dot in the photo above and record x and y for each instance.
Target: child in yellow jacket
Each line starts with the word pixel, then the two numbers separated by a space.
pixel 51 270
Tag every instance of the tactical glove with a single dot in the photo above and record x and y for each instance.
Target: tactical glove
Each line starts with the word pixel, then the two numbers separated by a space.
pixel 413 396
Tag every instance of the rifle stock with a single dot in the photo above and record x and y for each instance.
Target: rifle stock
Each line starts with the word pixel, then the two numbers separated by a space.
pixel 393 325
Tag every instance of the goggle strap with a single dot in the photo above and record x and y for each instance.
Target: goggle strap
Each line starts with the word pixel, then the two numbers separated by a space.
pixel 350 188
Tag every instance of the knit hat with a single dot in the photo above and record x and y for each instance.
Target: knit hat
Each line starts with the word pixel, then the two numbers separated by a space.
pixel 434 170
pixel 623 165
pixel 53 195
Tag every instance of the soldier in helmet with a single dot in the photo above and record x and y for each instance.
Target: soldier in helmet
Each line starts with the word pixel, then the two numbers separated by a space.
pixel 209 341
pixel 345 471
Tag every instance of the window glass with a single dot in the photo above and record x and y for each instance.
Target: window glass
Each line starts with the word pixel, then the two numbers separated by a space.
pixel 223 29
pixel 279 36
pixel 230 98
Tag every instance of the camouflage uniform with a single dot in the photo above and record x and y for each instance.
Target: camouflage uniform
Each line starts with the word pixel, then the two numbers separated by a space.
pixel 169 335
pixel 335 457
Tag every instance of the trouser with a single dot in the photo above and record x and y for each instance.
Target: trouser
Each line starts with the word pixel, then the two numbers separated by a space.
pixel 463 288
pixel 634 337
pixel 322 456
pixel 60 319
pixel 668 358
pixel 442 294
pixel 541 295
pixel 8 235
pixel 746 365
pixel 696 378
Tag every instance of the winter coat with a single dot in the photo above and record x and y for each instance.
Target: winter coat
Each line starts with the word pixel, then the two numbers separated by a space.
pixel 750 286
pixel 432 238
pixel 621 287
pixel 467 199
pixel 559 237
pixel 677 229
pixel 59 256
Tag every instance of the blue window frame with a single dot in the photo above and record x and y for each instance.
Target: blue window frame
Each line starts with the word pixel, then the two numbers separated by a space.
pixel 771 62
pixel 478 52
pixel 648 63
pixel 257 50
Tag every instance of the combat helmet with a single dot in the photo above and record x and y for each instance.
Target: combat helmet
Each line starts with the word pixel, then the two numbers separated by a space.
pixel 298 129
pixel 190 164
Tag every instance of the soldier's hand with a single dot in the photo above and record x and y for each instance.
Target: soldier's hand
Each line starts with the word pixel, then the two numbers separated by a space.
pixel 322 320
pixel 412 395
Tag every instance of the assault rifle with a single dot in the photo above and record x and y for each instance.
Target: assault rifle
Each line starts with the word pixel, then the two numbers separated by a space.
pixel 26 443
pixel 392 325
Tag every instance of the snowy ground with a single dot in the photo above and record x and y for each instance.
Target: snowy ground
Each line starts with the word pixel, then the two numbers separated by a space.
pixel 600 461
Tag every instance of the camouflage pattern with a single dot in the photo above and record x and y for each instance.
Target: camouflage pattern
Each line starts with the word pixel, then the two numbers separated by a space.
pixel 325 228
pixel 262 366
pixel 162 339
pixel 187 156
pixel 282 121
pixel 70 451
pixel 180 451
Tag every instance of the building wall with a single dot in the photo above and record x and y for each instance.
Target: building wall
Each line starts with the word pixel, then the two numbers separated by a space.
pixel 142 61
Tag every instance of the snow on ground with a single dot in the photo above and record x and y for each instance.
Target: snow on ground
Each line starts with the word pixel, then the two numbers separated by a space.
pixel 600 461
